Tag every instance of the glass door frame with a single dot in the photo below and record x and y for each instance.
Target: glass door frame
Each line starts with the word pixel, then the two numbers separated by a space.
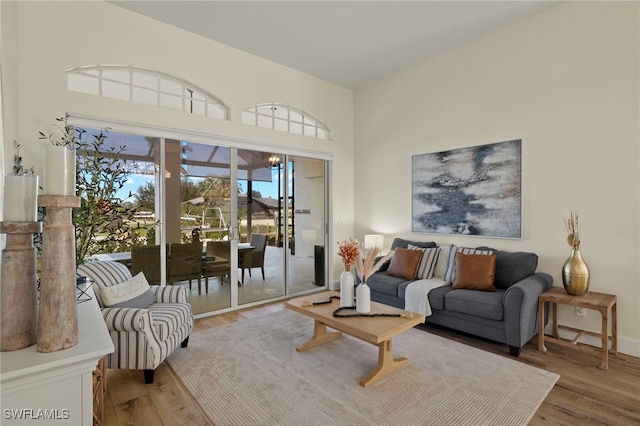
pixel 163 133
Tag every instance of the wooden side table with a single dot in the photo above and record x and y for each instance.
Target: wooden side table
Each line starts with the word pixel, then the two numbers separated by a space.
pixel 591 300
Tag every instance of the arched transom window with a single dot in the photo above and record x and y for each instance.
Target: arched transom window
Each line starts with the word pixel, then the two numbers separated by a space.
pixel 146 87
pixel 285 118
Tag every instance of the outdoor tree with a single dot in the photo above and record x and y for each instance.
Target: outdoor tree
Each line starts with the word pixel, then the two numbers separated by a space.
pixel 145 197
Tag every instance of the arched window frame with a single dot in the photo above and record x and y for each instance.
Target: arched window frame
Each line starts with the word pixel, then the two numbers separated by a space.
pixel 285 118
pixel 147 87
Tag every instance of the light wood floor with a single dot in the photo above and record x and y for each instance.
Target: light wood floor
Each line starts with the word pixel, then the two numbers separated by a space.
pixel 584 394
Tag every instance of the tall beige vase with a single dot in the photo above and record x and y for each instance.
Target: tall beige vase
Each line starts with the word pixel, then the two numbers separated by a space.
pixel 19 300
pixel 58 311
pixel 575 273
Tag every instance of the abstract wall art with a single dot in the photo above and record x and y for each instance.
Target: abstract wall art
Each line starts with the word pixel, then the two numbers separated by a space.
pixel 469 191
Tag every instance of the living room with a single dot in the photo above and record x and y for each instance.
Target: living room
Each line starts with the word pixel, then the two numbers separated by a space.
pixel 564 81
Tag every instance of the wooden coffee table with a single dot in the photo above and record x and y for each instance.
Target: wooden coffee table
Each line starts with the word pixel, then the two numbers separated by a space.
pixel 376 330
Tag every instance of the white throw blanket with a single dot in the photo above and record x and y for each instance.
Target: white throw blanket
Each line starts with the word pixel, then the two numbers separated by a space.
pixel 416 295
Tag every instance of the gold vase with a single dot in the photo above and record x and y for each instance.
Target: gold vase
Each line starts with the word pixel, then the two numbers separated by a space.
pixel 575 274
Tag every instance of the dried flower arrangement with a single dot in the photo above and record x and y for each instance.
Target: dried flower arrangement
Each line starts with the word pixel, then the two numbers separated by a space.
pixel 366 265
pixel 573 229
pixel 348 250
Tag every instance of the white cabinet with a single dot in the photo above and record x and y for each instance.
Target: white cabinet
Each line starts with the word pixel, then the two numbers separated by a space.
pixel 55 388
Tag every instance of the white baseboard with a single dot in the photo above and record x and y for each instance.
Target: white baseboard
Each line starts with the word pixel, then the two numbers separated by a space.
pixel 625 346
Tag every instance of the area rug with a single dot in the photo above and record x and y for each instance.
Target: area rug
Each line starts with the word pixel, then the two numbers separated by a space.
pixel 249 373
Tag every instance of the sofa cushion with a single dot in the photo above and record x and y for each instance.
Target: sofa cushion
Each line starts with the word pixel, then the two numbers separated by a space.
pixel 404 263
pixel 449 273
pixel 512 267
pixel 402 243
pixel 482 304
pixel 428 261
pixel 475 272
pixel 384 283
pixel 437 295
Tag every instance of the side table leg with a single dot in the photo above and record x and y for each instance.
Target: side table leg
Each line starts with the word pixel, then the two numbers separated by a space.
pixel 614 328
pixel 555 319
pixel 605 338
pixel 541 346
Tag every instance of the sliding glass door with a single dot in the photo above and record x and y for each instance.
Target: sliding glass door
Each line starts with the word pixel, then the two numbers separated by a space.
pixel 234 226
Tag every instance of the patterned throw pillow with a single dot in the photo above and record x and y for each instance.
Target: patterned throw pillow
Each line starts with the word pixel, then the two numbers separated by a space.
pixel 134 293
pixel 450 272
pixel 427 265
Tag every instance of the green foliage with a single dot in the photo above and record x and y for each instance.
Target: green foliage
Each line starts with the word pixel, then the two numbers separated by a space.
pixel 103 221
pixel 145 197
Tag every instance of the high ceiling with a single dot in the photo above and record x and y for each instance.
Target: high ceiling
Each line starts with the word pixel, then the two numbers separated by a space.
pixel 349 43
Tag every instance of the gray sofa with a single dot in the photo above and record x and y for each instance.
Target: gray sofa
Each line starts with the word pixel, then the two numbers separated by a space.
pixel 507 315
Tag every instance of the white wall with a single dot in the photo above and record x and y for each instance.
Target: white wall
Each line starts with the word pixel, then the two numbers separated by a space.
pixel 55 36
pixel 567 83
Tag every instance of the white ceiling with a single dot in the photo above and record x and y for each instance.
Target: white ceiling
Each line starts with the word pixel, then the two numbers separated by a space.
pixel 350 43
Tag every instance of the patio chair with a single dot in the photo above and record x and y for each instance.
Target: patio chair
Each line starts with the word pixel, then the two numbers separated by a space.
pixel 254 258
pixel 146 259
pixel 217 262
pixel 142 337
pixel 185 263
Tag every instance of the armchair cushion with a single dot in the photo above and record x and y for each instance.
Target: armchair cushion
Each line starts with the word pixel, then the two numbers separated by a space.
pixel 133 293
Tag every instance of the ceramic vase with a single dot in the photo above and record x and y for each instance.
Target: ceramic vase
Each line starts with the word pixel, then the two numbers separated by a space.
pixel 347 284
pixel 363 298
pixel 19 301
pixel 575 273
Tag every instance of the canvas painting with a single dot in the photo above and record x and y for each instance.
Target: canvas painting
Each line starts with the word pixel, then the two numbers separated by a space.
pixel 469 191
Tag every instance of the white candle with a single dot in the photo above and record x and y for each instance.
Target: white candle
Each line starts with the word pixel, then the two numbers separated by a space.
pixel 20 198
pixel 59 171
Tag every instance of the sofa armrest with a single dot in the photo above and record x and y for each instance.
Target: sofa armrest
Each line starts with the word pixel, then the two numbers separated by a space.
pixel 127 319
pixel 170 294
pixel 521 308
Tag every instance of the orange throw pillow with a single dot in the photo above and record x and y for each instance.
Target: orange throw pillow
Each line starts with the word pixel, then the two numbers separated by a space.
pixel 404 263
pixel 475 272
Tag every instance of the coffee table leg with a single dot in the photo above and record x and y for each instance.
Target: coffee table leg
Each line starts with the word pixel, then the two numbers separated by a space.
pixel 386 364
pixel 320 336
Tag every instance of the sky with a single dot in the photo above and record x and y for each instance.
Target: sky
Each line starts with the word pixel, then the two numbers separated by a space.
pixel 267 189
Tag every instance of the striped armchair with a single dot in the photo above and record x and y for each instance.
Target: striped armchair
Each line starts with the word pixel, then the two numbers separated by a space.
pixel 143 338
